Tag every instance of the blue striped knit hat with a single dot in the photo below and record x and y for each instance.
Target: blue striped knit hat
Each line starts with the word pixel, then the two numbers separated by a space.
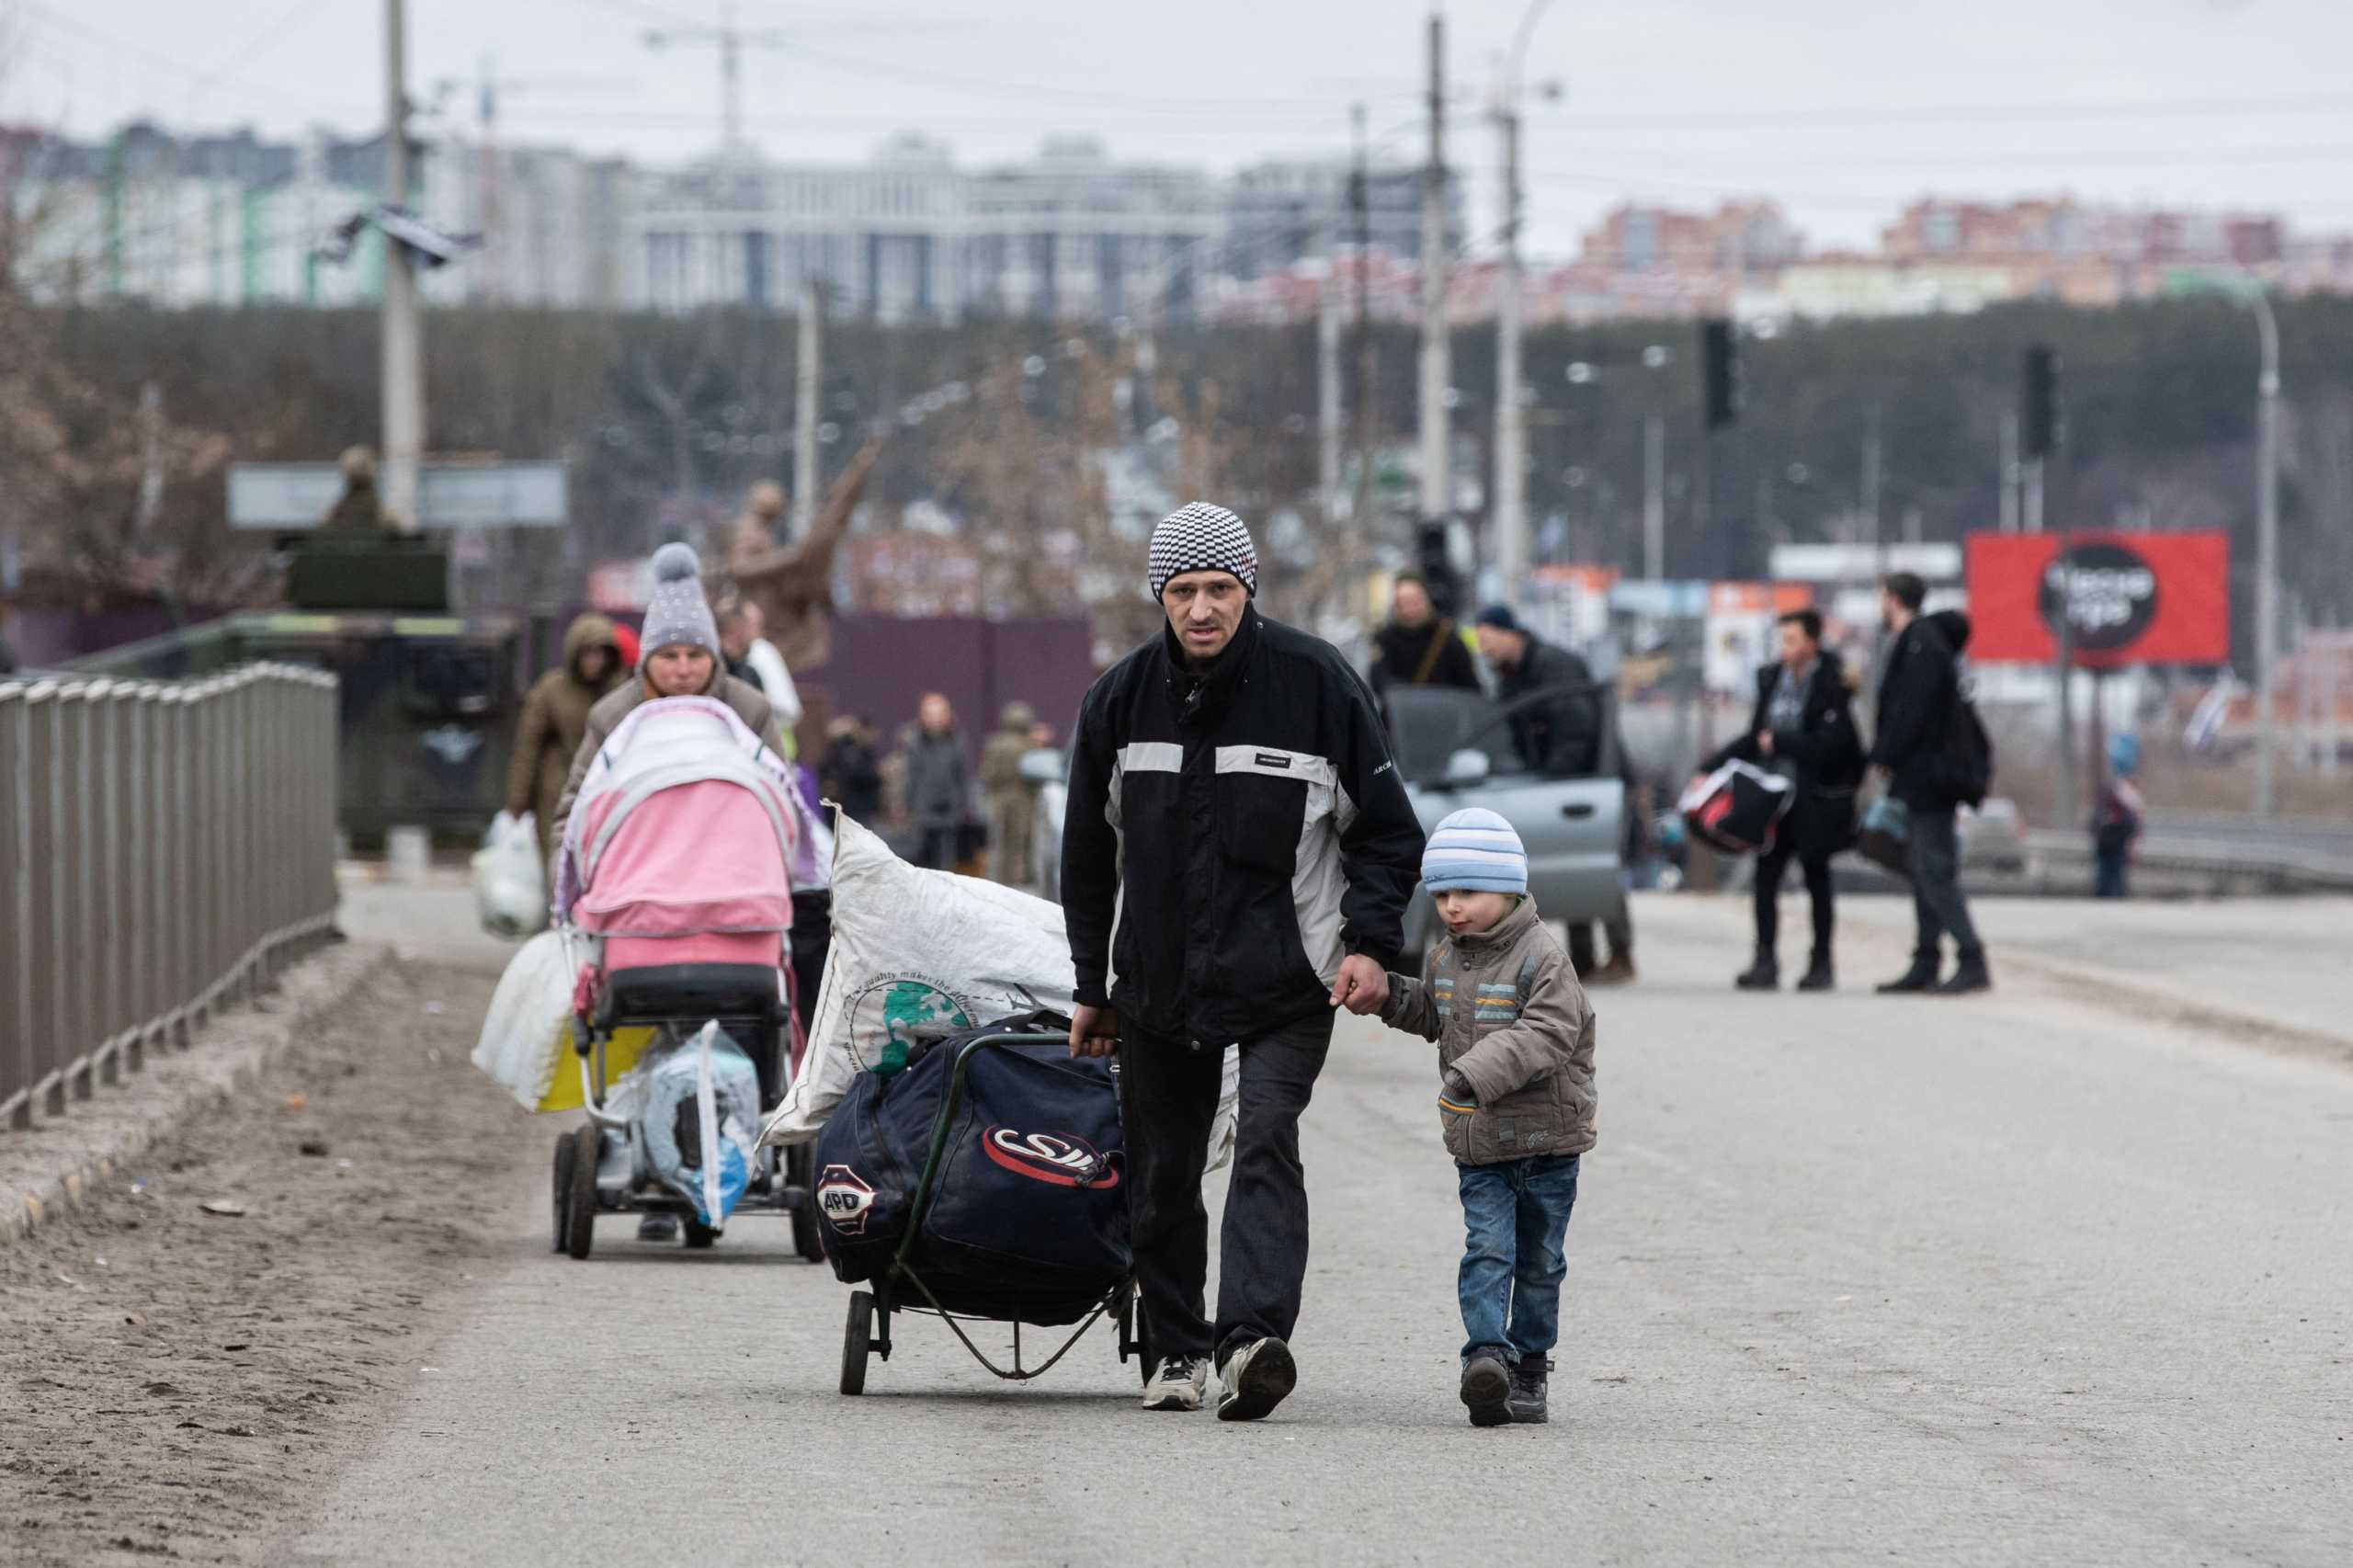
pixel 1474 851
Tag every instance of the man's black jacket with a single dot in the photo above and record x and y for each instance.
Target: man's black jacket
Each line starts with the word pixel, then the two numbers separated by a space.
pixel 1561 739
pixel 1825 752
pixel 1917 692
pixel 1231 835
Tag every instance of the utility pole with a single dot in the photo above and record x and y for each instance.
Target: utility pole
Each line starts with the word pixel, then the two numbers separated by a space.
pixel 2009 459
pixel 2266 560
pixel 1872 458
pixel 1361 200
pixel 1327 399
pixel 151 459
pixel 804 407
pixel 1437 488
pixel 404 327
pixel 1654 496
pixel 1510 509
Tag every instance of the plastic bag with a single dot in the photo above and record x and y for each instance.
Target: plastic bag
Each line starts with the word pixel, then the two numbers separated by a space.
pixel 912 948
pixel 529 1025
pixel 1737 808
pixel 1886 837
pixel 702 1098
pixel 510 880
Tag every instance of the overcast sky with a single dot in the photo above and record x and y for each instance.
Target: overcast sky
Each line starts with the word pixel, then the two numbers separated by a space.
pixel 1842 109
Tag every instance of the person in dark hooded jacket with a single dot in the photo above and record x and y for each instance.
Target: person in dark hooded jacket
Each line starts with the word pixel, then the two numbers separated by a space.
pixel 1919 693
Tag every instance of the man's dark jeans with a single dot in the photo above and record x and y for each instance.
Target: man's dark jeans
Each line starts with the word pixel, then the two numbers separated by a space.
pixel 1169 1088
pixel 1937 902
pixel 1515 1218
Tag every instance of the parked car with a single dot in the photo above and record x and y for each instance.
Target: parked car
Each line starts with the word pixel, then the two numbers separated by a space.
pixel 1993 837
pixel 1458 748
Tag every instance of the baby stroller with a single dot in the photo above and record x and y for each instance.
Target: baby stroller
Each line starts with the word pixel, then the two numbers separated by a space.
pixel 673 886
pixel 981 1183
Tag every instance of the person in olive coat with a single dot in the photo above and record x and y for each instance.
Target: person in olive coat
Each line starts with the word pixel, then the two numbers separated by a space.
pixel 555 718
pixel 1803 726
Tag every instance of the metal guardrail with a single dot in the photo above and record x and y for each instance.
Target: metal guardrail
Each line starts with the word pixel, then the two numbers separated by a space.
pixel 2229 863
pixel 166 848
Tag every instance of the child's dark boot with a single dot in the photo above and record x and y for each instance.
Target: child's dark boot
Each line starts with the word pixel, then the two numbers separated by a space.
pixel 1527 1400
pixel 1486 1388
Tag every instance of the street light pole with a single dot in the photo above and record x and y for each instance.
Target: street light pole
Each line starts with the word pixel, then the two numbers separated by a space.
pixel 402 328
pixel 1511 413
pixel 2267 556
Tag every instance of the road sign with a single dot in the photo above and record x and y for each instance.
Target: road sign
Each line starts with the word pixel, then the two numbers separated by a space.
pixel 285 496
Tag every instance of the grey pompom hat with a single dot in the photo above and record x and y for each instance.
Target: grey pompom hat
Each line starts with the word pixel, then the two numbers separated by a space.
pixel 678 614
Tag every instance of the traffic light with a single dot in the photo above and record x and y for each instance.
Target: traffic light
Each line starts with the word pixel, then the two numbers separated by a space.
pixel 1434 558
pixel 2041 400
pixel 1719 373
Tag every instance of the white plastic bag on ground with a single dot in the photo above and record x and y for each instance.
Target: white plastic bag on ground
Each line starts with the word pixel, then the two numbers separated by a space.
pixel 913 946
pixel 524 1032
pixel 510 880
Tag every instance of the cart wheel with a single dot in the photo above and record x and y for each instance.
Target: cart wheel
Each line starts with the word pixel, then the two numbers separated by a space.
pixel 698 1235
pixel 857 1336
pixel 564 1158
pixel 808 1240
pixel 580 1213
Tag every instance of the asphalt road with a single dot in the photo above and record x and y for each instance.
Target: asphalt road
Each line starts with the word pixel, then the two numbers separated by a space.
pixel 2016 1279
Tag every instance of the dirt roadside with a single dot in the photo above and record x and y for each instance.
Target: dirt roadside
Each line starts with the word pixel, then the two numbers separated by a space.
pixel 178 1380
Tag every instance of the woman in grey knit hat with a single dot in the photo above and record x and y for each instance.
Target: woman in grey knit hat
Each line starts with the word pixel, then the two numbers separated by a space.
pixel 678 657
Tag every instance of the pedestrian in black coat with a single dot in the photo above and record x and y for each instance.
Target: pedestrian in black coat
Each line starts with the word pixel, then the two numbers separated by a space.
pixel 1920 696
pixel 1419 646
pixel 1803 726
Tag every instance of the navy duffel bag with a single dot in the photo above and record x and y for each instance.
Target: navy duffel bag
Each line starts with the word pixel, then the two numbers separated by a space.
pixel 1026 1216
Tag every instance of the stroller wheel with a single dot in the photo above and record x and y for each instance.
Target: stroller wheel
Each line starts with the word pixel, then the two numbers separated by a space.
pixel 580 1213
pixel 857 1339
pixel 564 1158
pixel 700 1236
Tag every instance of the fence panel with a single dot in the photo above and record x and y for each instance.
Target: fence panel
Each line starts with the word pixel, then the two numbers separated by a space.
pixel 165 848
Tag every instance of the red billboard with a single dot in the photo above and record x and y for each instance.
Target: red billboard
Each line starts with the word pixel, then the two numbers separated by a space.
pixel 2136 598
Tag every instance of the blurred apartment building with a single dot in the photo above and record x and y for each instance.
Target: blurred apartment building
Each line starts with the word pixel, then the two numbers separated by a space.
pixel 1071 233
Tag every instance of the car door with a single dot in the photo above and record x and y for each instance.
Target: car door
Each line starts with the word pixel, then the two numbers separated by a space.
pixel 1572 827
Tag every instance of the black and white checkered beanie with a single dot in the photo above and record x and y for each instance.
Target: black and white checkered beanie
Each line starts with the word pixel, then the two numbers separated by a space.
pixel 1199 536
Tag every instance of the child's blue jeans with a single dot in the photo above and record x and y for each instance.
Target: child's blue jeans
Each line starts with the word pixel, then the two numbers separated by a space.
pixel 1516 1215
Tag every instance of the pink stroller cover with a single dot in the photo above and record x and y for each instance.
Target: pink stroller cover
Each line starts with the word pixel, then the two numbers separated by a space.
pixel 685 825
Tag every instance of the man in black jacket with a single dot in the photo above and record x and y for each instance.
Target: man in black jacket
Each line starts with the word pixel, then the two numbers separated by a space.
pixel 1803 725
pixel 1237 852
pixel 1918 694
pixel 1561 739
pixel 1419 646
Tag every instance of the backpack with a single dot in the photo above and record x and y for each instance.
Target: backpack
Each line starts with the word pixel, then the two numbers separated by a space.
pixel 1964 768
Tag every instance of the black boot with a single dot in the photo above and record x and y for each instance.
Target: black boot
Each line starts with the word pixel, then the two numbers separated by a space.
pixel 1921 976
pixel 1763 975
pixel 1819 975
pixel 1486 1388
pixel 1970 974
pixel 1527 1380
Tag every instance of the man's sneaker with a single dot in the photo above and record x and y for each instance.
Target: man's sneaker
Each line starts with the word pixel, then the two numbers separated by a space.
pixel 658 1228
pixel 1921 976
pixel 1255 1380
pixel 1177 1383
pixel 1486 1389
pixel 1527 1379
